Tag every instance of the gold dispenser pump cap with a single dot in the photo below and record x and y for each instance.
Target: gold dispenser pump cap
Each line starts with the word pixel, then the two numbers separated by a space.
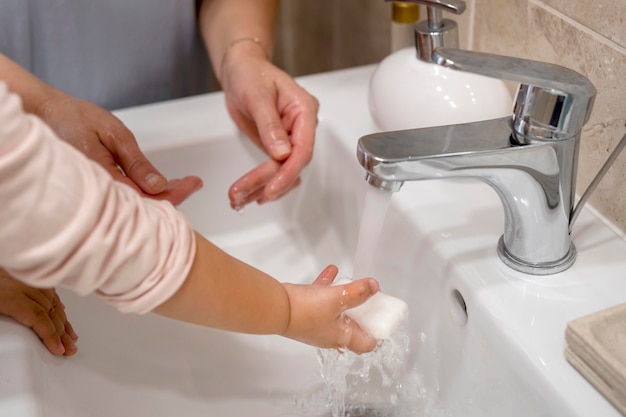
pixel 405 12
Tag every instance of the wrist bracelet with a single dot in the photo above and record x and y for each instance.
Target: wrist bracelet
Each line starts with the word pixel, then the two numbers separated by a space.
pixel 254 39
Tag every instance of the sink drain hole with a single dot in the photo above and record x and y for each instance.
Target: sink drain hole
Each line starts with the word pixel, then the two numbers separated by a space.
pixel 366 411
pixel 458 307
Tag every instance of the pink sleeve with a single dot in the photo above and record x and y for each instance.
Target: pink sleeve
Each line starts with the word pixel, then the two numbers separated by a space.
pixel 66 222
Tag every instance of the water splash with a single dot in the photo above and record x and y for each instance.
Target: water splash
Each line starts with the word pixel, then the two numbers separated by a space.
pixel 355 383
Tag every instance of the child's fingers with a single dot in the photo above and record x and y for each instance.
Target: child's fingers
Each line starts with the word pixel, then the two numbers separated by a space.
pixel 327 276
pixel 357 292
pixel 360 341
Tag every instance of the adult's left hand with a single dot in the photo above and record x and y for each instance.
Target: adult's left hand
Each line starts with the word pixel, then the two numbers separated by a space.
pixel 103 138
pixel 41 310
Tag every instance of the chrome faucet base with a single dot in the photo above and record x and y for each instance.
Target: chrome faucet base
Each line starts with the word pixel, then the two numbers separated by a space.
pixel 543 268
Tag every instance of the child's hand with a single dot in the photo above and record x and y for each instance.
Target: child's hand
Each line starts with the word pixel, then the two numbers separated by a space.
pixel 317 312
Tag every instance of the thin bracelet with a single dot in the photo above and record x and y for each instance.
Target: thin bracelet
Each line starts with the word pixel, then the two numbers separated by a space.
pixel 254 39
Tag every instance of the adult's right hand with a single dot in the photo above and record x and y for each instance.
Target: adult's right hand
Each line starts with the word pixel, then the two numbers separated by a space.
pixel 276 113
pixel 103 138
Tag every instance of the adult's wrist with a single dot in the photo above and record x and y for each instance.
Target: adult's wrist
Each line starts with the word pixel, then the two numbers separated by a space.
pixel 42 103
pixel 243 47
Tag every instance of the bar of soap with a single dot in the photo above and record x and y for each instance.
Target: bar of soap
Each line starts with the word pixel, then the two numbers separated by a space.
pixel 380 315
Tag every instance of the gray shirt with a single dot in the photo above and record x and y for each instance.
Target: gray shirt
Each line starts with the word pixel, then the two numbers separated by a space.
pixel 116 53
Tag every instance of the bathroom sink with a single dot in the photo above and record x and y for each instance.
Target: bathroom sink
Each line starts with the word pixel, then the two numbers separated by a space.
pixel 484 340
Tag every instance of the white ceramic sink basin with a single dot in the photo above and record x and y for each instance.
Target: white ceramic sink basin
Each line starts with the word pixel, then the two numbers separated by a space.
pixel 484 340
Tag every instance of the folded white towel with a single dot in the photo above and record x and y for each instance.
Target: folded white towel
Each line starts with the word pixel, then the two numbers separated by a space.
pixel 379 316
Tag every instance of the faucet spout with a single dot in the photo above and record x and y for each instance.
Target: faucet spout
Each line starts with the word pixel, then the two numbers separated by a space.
pixel 535 181
pixel 529 159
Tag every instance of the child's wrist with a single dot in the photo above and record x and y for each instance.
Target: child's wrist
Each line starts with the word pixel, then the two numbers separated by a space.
pixel 286 328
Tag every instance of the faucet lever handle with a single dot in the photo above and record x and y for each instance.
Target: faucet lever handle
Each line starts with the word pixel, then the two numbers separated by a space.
pixel 553 102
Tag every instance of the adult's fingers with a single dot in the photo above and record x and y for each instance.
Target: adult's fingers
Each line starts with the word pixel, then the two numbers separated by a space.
pixel 121 143
pixel 246 189
pixel 37 313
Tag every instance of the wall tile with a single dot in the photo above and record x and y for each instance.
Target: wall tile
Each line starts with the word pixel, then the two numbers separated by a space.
pixel 501 27
pixel 607 17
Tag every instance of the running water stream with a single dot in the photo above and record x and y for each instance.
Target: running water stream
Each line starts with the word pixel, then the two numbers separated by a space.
pixel 366 385
pixel 382 383
pixel 373 216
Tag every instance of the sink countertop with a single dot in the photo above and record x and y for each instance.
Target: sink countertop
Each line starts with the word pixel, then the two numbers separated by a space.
pixel 465 220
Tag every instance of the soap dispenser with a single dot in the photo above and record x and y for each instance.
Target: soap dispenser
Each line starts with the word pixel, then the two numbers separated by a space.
pixel 408 90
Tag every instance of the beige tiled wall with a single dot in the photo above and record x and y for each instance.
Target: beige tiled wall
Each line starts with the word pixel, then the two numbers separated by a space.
pixel 587 36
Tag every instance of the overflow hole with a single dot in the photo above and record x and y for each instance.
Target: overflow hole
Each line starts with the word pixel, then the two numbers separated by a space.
pixel 458 307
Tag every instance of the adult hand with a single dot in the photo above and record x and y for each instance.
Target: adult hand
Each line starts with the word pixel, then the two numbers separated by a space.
pixel 318 312
pixel 277 114
pixel 40 310
pixel 103 138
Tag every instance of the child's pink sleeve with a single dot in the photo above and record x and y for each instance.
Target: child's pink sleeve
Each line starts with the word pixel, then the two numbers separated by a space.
pixel 65 222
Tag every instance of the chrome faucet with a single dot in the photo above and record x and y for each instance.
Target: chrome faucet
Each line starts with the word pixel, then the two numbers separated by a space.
pixel 529 159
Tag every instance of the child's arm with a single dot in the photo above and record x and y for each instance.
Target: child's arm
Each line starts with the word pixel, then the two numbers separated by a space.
pixel 225 293
pixel 67 222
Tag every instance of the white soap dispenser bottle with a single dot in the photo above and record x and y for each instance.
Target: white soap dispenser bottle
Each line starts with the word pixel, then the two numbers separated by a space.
pixel 408 90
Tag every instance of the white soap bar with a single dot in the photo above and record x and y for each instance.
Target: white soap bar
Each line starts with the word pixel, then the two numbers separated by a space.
pixel 380 315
